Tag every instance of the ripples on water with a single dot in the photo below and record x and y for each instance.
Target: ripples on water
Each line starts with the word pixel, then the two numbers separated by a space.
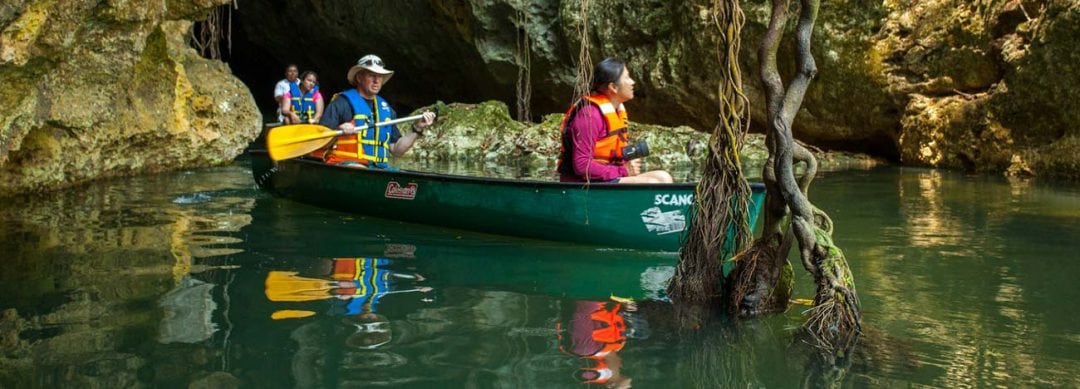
pixel 199 278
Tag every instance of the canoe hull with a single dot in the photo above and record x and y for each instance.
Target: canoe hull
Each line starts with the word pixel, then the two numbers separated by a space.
pixel 651 217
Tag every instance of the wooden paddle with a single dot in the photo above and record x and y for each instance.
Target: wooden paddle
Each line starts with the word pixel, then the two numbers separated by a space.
pixel 294 140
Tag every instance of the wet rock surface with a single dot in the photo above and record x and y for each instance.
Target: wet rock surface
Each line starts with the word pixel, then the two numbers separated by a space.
pixel 104 89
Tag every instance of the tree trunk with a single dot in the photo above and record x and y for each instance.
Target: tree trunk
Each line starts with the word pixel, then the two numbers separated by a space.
pixel 762 278
pixel 758 284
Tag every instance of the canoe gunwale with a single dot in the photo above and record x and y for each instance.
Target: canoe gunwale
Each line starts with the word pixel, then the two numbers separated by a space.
pixel 754 186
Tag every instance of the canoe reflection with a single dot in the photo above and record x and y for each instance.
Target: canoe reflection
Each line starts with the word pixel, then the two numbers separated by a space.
pixel 353 285
pixel 398 304
pixel 455 258
pixel 554 272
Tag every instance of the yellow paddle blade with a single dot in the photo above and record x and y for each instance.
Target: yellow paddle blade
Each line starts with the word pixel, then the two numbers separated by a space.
pixel 287 286
pixel 290 314
pixel 297 139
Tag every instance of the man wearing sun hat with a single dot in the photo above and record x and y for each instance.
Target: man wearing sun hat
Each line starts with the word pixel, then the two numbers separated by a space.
pixel 360 106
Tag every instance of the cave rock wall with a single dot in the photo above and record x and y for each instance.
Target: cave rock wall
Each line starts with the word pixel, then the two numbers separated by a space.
pixel 985 85
pixel 111 88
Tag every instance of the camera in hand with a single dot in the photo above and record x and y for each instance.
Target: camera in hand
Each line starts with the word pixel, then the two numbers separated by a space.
pixel 637 150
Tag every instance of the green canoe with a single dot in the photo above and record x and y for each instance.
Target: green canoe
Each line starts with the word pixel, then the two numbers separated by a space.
pixel 649 217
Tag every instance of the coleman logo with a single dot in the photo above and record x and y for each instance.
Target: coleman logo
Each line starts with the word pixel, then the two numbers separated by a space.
pixel 394 190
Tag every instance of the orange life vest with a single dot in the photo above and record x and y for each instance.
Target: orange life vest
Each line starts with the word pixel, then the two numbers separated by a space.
pixel 609 149
pixel 612 334
pixel 613 338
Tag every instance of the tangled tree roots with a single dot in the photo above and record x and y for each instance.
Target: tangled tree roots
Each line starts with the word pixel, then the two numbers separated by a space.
pixel 742 280
pixel 834 320
pixel 760 283
pixel 721 221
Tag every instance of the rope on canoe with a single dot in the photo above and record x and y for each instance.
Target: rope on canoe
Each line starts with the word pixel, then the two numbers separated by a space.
pixel 261 180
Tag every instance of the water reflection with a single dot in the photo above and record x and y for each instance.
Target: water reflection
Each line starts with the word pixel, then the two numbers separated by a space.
pixel 421 306
pixel 176 280
pixel 352 295
pixel 93 273
pixel 354 285
pixel 957 268
pixel 598 331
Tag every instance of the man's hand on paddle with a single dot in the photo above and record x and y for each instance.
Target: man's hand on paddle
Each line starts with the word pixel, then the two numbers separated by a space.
pixel 427 120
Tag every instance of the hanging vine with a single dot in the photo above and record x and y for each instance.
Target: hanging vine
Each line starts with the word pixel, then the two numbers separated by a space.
pixel 206 36
pixel 584 64
pixel 721 224
pixel 524 62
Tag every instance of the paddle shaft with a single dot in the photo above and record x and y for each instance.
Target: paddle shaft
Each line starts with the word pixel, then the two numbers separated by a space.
pixel 363 127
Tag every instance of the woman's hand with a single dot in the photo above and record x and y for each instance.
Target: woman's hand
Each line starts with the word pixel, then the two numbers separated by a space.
pixel 633 167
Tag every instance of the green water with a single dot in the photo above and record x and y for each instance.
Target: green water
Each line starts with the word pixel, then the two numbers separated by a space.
pixel 168 281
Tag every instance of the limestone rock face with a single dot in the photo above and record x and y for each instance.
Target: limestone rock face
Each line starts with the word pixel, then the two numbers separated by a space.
pixel 485 133
pixel 975 85
pixel 111 88
pixel 986 88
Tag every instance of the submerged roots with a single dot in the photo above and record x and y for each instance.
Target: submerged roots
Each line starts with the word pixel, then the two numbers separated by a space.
pixel 834 322
pixel 757 285
pixel 743 281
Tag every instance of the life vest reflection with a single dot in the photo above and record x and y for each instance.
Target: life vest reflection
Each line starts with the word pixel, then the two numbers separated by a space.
pixel 353 287
pixel 596 333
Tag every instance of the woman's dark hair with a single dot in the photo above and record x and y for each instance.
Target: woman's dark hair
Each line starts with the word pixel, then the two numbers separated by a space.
pixel 607 71
pixel 309 73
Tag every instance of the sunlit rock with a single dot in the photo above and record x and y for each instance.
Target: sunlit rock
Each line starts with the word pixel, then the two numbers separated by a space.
pixel 103 89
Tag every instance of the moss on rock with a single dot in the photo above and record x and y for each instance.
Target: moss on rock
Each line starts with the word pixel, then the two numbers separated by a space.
pixel 110 89
pixel 485 133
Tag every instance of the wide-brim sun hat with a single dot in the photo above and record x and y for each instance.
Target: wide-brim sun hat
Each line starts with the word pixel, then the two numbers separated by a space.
pixel 371 63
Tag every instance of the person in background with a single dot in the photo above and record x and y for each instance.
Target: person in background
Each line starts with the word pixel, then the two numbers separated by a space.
pixel 282 87
pixel 594 132
pixel 361 106
pixel 303 103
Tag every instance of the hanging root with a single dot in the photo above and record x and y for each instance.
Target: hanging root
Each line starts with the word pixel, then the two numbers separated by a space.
pixel 584 65
pixel 742 285
pixel 721 219
pixel 523 57
pixel 207 35
pixel 759 283
pixel 834 322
